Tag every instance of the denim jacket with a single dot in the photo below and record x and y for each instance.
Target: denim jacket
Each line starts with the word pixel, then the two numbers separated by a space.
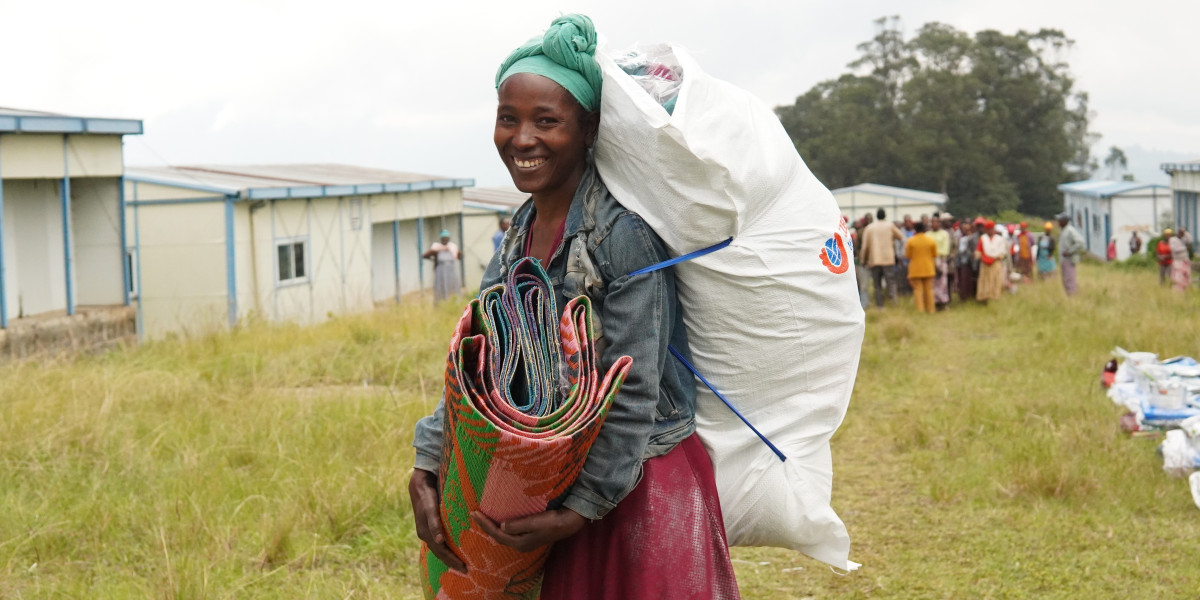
pixel 638 316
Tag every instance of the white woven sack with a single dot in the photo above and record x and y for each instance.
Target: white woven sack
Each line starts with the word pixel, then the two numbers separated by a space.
pixel 773 320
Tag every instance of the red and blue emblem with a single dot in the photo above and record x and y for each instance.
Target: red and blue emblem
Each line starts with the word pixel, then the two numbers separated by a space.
pixel 834 254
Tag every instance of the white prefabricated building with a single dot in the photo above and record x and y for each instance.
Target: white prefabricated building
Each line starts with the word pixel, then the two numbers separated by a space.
pixel 857 200
pixel 1185 187
pixel 295 242
pixel 1103 210
pixel 483 207
pixel 61 221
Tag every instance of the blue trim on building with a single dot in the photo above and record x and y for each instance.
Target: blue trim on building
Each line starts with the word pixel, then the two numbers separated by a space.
pixel 462 264
pixel 230 262
pixel 1102 188
pixel 137 256
pixel 395 255
pixel 66 124
pixel 420 251
pixel 121 222
pixel 305 191
pixel 203 200
pixel 68 252
pixel 201 187
pixel 3 271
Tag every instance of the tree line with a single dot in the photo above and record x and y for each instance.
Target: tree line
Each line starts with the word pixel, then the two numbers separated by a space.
pixel 991 120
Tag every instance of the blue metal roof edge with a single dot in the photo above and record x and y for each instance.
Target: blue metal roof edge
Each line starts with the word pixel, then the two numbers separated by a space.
pixel 1103 191
pixel 363 189
pixel 187 185
pixel 62 124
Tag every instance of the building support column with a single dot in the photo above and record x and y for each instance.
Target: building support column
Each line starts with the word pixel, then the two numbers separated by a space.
pixel 462 264
pixel 3 272
pixel 125 274
pixel 137 263
pixel 421 251
pixel 68 251
pixel 230 263
pixel 396 256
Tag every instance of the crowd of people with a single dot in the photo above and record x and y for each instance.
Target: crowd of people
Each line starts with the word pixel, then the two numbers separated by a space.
pixel 934 255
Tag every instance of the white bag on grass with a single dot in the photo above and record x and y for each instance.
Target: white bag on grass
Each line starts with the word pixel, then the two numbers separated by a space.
pixel 774 320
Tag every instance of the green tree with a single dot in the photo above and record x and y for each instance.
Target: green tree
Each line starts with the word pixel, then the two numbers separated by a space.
pixel 1116 162
pixel 992 120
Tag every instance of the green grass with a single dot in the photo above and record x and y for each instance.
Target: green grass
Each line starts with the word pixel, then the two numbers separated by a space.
pixel 979 459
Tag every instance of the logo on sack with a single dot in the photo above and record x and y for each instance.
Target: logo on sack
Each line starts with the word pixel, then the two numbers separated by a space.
pixel 834 255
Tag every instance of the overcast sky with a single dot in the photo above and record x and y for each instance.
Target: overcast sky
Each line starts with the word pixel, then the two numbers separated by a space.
pixel 409 85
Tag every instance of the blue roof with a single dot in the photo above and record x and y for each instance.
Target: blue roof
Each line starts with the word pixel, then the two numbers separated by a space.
pixel 1104 188
pixel 28 121
pixel 267 182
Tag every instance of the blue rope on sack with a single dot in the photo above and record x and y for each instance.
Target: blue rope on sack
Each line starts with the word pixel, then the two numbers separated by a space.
pixel 686 257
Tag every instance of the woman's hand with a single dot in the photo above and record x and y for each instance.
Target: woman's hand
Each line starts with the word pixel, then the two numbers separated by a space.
pixel 530 533
pixel 423 492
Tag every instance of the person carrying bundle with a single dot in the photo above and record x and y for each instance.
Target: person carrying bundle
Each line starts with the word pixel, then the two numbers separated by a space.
pixel 645 508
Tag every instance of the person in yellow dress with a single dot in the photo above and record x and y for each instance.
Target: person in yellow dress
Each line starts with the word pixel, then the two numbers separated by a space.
pixel 921 252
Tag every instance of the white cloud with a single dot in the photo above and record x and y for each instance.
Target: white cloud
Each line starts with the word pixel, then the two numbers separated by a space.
pixel 409 85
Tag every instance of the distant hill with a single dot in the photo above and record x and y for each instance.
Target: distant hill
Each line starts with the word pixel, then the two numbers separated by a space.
pixel 1144 163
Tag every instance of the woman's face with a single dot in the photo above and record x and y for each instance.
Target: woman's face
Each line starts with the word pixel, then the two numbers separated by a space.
pixel 541 136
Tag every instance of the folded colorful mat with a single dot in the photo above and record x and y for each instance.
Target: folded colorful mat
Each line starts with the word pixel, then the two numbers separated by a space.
pixel 524 402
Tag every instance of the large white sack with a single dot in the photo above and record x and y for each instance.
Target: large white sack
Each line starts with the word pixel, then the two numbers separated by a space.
pixel 774 320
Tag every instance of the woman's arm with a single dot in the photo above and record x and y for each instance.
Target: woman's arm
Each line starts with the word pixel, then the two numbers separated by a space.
pixel 637 314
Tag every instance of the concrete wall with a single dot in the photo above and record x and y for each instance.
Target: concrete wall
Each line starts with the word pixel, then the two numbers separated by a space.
pixel 478 227
pixel 40 156
pixel 181 259
pixel 1139 211
pixel 34 260
pixel 1186 181
pixel 856 203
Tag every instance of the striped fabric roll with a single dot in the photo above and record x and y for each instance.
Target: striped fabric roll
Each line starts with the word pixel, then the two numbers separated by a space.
pixel 524 403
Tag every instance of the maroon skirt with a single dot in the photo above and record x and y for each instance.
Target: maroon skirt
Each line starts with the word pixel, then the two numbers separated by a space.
pixel 664 541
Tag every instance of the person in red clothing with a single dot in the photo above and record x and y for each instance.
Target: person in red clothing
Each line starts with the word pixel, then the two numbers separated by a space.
pixel 1162 251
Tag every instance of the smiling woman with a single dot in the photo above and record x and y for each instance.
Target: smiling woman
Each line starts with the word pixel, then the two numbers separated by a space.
pixel 645 505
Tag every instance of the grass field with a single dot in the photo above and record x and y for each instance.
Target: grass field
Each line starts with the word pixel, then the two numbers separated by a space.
pixel 979 459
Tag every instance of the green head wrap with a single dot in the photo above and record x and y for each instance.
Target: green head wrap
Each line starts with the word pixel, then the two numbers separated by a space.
pixel 566 55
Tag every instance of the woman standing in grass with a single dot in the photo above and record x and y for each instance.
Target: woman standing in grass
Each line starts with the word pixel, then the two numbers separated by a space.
pixel 445 256
pixel 1045 251
pixel 643 519
pixel 991 252
pixel 1181 264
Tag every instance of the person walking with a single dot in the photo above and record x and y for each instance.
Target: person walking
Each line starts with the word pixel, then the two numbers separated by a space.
pixel 922 252
pixel 1162 252
pixel 1070 245
pixel 991 251
pixel 1181 263
pixel 879 255
pixel 1046 245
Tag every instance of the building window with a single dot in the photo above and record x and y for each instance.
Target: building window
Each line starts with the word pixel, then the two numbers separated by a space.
pixel 291 256
pixel 1096 222
pixel 131 273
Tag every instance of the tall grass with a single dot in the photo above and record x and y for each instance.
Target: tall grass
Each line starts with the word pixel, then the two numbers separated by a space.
pixel 979 459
